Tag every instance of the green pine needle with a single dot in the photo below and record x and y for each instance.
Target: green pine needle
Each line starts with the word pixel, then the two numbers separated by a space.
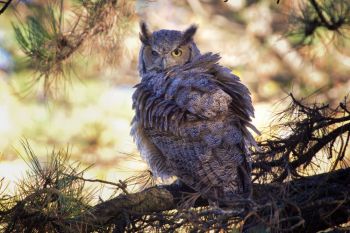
pixel 48 197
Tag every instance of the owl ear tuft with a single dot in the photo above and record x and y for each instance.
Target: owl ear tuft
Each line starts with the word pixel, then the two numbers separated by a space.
pixel 145 34
pixel 188 34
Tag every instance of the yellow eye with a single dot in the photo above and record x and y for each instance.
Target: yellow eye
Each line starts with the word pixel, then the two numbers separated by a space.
pixel 176 53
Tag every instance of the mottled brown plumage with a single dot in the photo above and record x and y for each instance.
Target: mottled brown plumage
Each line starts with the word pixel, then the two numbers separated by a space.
pixel 191 116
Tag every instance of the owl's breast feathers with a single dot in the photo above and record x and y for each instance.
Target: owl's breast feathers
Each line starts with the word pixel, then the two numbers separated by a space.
pixel 191 121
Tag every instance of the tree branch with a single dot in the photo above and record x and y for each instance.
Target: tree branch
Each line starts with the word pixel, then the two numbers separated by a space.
pixel 6 5
pixel 323 201
pixel 320 13
pixel 155 199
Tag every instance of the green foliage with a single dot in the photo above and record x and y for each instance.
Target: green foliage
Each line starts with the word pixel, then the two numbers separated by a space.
pixel 43 42
pixel 48 195
pixel 319 20
pixel 51 41
pixel 36 35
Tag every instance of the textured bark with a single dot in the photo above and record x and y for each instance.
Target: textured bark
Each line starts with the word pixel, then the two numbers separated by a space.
pixel 323 201
pixel 117 210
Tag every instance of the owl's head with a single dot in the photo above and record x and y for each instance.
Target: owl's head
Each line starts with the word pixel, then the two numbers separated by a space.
pixel 164 49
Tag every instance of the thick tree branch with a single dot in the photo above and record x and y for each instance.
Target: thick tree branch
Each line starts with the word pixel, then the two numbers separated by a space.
pixel 323 201
pixel 151 200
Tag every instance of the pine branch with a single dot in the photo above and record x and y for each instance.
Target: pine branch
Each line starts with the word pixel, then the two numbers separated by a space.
pixel 327 205
pixel 305 158
pixel 312 129
pixel 336 22
pixel 5 6
pixel 318 202
pixel 320 13
pixel 51 46
pixel 333 16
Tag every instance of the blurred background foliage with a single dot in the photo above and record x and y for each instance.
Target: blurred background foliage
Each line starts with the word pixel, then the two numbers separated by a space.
pixel 67 68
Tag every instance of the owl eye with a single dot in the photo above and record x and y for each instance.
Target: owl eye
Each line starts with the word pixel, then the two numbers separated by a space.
pixel 176 53
pixel 154 53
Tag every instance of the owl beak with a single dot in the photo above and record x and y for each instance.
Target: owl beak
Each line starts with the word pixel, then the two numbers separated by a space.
pixel 163 64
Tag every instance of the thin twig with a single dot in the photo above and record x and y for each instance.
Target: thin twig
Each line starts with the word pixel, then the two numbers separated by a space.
pixel 7 4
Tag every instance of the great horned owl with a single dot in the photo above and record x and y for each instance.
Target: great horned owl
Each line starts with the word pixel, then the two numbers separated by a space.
pixel 192 116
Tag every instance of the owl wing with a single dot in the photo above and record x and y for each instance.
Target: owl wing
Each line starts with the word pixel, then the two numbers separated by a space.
pixel 217 169
pixel 155 158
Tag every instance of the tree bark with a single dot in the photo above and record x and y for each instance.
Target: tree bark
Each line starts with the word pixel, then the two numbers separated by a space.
pixel 322 200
